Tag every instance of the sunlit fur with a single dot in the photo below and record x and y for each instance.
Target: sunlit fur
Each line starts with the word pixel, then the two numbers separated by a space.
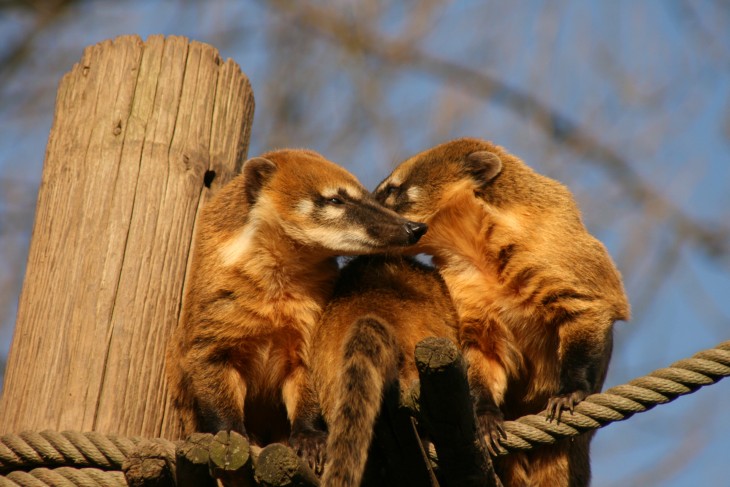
pixel 536 294
pixel 263 269
pixel 382 307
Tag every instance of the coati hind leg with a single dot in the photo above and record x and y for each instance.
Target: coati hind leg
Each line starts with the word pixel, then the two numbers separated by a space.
pixel 219 396
pixel 308 433
pixel 586 342
pixel 487 381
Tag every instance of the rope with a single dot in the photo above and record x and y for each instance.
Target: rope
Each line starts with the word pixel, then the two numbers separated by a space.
pixel 620 402
pixel 64 477
pixel 30 450
pixel 68 448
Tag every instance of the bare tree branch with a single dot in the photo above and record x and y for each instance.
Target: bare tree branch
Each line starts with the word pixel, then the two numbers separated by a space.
pixel 713 241
pixel 46 13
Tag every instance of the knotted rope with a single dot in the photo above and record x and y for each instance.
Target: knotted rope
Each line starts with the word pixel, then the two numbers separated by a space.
pixel 97 458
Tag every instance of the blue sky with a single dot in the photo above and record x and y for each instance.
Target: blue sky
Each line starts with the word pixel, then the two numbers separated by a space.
pixel 649 79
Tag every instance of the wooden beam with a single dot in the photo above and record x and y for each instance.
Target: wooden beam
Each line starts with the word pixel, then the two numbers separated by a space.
pixel 447 409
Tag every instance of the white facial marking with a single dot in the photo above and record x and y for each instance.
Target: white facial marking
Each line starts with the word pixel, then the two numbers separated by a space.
pixel 333 212
pixel 333 192
pixel 305 207
pixel 356 240
pixel 339 240
pixel 353 191
pixel 414 192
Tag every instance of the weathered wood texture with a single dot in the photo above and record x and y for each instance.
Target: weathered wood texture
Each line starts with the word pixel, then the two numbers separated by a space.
pixel 137 127
pixel 279 466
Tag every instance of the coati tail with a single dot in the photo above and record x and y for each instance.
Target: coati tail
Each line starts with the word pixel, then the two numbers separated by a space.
pixel 370 362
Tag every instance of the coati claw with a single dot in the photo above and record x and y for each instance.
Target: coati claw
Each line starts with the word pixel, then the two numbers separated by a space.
pixel 310 447
pixel 491 428
pixel 557 404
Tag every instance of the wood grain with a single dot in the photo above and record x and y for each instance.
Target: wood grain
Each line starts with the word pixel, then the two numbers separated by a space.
pixel 137 126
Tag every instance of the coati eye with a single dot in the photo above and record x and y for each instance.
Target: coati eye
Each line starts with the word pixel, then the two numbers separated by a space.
pixel 391 189
pixel 335 201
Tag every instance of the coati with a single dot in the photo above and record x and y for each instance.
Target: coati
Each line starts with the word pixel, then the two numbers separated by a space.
pixel 263 268
pixel 535 293
pixel 365 340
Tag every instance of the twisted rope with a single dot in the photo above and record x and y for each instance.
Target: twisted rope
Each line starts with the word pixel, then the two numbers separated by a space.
pixel 64 477
pixel 106 453
pixel 48 448
pixel 620 402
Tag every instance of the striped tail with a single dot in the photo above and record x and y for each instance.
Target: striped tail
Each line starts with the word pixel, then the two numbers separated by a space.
pixel 370 363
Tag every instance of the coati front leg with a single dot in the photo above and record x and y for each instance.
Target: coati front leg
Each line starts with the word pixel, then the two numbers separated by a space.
pixel 492 360
pixel 586 342
pixel 308 433
pixel 219 393
pixel 487 381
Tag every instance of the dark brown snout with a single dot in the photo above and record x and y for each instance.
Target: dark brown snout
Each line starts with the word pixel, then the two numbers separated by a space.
pixel 415 231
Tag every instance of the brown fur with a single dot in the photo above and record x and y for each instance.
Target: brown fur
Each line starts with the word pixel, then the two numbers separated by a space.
pixel 262 271
pixel 366 339
pixel 536 294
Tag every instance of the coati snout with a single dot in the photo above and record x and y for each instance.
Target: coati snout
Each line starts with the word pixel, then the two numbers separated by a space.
pixel 321 206
pixel 415 231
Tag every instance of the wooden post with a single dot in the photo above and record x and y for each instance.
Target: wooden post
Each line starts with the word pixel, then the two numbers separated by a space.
pixel 143 133
pixel 462 454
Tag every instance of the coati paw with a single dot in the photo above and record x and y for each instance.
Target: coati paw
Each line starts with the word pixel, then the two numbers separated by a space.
pixel 491 427
pixel 557 404
pixel 310 447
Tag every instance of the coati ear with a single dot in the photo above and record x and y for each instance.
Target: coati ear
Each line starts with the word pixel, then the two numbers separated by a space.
pixel 257 171
pixel 483 166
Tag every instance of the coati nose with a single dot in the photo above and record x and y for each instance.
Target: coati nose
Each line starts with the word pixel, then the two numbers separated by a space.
pixel 415 231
